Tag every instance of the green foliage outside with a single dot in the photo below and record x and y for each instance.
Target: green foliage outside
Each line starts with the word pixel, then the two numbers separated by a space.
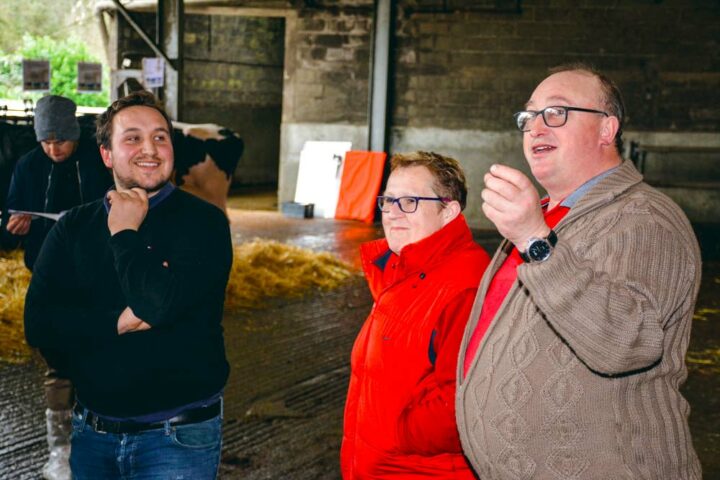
pixel 64 56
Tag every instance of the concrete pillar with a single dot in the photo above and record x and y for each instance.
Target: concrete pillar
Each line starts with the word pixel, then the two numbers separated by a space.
pixel 170 33
pixel 378 118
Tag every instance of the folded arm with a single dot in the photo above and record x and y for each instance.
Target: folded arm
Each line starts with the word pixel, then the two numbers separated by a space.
pixel 159 284
pixel 54 316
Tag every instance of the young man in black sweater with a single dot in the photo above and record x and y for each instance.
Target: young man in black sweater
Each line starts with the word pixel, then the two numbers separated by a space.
pixel 130 289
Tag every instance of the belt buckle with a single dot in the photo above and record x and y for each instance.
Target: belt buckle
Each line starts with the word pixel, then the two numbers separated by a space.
pixel 94 424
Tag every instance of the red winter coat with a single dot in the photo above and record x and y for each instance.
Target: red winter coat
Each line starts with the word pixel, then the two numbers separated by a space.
pixel 400 409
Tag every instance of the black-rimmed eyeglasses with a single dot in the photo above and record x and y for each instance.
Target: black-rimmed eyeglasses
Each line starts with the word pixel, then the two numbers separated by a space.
pixel 554 117
pixel 406 204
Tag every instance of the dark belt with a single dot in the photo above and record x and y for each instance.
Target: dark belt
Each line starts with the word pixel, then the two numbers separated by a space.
pixel 103 425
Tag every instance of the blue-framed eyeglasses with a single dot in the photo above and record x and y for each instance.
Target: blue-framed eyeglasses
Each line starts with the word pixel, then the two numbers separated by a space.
pixel 406 204
pixel 555 116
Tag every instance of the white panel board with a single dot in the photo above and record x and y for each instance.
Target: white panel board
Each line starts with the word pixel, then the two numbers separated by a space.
pixel 319 175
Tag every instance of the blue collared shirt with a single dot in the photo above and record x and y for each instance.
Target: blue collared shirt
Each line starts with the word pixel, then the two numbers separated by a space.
pixel 574 197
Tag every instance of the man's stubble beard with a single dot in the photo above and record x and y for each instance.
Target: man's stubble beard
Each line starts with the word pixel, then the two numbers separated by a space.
pixel 129 183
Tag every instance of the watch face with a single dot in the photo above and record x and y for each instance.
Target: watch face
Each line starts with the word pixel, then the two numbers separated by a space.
pixel 539 250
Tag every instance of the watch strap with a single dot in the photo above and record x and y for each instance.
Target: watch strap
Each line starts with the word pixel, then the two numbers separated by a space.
pixel 552 238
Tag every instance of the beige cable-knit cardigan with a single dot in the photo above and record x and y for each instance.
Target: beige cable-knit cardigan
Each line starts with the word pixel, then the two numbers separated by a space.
pixel 578 375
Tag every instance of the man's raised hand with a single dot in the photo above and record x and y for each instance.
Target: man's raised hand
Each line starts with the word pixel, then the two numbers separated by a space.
pixel 127 209
pixel 512 203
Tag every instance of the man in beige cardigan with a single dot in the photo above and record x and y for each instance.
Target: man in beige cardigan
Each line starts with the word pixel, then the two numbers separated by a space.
pixel 574 352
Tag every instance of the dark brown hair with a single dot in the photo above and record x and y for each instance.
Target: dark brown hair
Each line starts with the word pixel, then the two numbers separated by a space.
pixel 104 122
pixel 611 96
pixel 449 176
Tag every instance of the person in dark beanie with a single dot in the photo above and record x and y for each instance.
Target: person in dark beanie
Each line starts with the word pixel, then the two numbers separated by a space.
pixel 64 171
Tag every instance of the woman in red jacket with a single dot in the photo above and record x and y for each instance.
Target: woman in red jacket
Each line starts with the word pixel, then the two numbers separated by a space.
pixel 400 413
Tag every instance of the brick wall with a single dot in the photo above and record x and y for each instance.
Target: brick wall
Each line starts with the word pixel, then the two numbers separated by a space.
pixel 472 69
pixel 234 77
pixel 330 66
pixel 230 59
pixel 463 68
pixel 461 64
pixel 327 71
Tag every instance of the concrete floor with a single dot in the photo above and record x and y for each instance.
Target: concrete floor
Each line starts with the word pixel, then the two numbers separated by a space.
pixel 285 395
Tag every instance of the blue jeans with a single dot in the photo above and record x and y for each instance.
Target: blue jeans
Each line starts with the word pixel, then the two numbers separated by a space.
pixel 187 452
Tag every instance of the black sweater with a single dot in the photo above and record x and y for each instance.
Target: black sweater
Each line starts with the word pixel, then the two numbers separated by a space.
pixel 172 273
pixel 41 185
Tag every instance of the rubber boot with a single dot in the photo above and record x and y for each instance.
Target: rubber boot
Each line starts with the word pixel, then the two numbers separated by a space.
pixel 58 437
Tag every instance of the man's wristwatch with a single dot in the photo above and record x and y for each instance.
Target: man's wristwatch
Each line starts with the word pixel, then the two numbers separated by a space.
pixel 539 249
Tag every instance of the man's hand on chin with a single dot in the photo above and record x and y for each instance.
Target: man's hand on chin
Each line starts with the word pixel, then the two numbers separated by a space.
pixel 128 209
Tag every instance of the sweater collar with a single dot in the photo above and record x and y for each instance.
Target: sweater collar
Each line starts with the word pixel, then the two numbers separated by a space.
pixel 153 201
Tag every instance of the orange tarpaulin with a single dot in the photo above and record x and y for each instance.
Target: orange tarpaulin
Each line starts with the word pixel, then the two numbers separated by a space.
pixel 360 184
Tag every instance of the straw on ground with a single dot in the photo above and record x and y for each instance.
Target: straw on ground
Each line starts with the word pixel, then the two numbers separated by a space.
pixel 261 269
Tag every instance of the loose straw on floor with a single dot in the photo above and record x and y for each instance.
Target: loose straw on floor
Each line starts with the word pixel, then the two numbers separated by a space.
pixel 261 269
pixel 14 280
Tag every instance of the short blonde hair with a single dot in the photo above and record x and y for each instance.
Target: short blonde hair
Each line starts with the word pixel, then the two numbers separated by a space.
pixel 449 176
